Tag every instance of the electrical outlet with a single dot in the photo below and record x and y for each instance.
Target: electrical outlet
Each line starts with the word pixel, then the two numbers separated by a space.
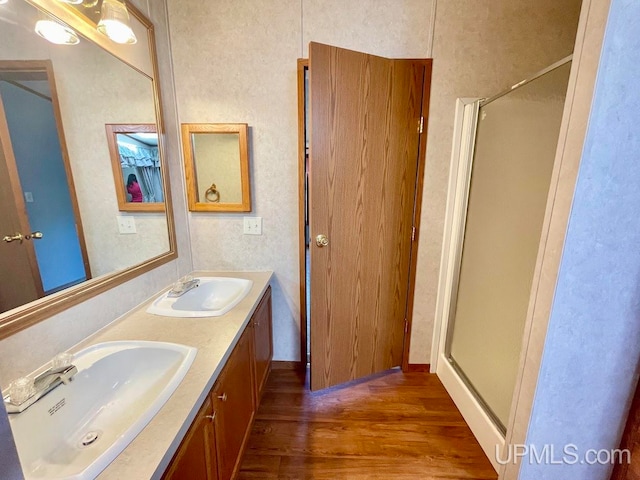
pixel 126 225
pixel 253 225
pixel 28 196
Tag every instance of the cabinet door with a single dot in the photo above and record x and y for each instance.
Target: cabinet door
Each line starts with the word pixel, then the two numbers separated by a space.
pixel 263 342
pixel 196 459
pixel 234 405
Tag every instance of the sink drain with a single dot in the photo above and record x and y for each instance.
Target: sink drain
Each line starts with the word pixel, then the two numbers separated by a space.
pixel 89 438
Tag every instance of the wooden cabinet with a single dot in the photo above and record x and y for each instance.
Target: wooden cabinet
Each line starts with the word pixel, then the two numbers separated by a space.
pixel 196 458
pixel 215 442
pixel 263 343
pixel 234 405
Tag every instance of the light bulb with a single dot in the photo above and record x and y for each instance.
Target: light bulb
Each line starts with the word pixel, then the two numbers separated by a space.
pixel 55 32
pixel 114 22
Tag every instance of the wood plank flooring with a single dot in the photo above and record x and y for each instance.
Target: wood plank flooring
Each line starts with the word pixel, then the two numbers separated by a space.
pixel 391 426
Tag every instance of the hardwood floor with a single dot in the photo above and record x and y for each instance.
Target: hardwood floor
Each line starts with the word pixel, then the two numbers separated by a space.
pixel 391 426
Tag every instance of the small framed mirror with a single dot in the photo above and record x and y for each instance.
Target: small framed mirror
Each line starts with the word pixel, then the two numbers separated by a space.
pixel 137 172
pixel 216 162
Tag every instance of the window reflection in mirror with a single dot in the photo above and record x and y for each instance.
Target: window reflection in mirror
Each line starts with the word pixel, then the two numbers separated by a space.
pixel 137 172
pixel 217 167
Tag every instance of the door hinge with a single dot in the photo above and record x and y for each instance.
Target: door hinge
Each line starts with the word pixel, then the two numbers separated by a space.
pixel 413 233
pixel 421 128
pixel 406 325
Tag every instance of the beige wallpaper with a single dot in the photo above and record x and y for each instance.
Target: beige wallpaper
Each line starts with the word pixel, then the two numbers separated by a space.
pixel 235 61
pixel 246 73
pixel 480 48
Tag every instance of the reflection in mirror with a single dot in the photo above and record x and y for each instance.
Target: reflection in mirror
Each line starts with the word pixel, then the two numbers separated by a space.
pixel 217 167
pixel 47 251
pixel 56 173
pixel 135 161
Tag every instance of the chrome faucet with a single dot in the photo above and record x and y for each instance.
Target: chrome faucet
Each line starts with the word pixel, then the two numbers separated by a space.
pixel 183 285
pixel 31 392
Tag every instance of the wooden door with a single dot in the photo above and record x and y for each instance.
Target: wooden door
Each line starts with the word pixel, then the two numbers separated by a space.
pixel 364 135
pixel 23 285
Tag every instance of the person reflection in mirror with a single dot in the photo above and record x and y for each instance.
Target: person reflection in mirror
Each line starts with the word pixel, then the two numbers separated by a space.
pixel 133 187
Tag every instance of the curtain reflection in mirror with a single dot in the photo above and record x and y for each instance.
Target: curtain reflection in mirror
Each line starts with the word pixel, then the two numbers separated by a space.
pixel 142 161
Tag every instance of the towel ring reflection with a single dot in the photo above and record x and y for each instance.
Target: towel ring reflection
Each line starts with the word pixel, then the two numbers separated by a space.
pixel 212 194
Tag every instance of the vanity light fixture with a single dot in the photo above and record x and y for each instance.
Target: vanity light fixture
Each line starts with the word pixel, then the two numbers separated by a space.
pixel 2 2
pixel 56 32
pixel 114 22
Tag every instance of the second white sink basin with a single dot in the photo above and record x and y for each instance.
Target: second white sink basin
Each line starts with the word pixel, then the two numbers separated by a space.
pixel 214 296
pixel 76 430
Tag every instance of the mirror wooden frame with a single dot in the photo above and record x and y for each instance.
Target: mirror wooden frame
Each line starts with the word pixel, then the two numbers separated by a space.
pixel 191 173
pixel 113 129
pixel 30 314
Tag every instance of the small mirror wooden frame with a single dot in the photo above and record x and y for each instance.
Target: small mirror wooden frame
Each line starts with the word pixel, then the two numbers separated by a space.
pixel 125 205
pixel 209 197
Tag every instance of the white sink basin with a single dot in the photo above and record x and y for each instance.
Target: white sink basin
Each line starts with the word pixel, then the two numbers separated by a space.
pixel 118 389
pixel 214 296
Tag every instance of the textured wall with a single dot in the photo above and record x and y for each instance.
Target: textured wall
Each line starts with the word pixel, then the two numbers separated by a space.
pixel 479 48
pixel 590 361
pixel 236 62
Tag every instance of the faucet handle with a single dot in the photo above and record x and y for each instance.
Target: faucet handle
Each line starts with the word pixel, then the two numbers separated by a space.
pixel 62 360
pixel 21 390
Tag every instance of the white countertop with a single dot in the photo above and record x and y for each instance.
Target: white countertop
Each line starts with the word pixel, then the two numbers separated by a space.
pixel 148 455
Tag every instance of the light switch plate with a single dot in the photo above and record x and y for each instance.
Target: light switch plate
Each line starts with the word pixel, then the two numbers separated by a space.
pixel 126 225
pixel 28 196
pixel 253 225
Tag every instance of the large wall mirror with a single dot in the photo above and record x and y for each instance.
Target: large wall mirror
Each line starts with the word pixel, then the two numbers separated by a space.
pixel 216 162
pixel 61 229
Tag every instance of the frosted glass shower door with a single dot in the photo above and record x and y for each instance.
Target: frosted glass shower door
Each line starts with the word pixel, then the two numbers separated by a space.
pixel 516 139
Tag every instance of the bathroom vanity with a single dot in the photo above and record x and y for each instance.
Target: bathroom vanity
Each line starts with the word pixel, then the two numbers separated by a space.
pixel 201 430
pixel 213 446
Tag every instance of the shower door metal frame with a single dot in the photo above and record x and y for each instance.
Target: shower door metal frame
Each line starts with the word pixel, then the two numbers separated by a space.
pixel 465 130
pixel 457 203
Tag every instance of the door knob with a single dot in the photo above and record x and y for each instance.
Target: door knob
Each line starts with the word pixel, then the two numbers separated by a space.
pixel 34 236
pixel 322 241
pixel 18 237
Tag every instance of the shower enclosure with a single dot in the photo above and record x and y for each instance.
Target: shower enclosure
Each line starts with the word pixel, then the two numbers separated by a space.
pixel 511 145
